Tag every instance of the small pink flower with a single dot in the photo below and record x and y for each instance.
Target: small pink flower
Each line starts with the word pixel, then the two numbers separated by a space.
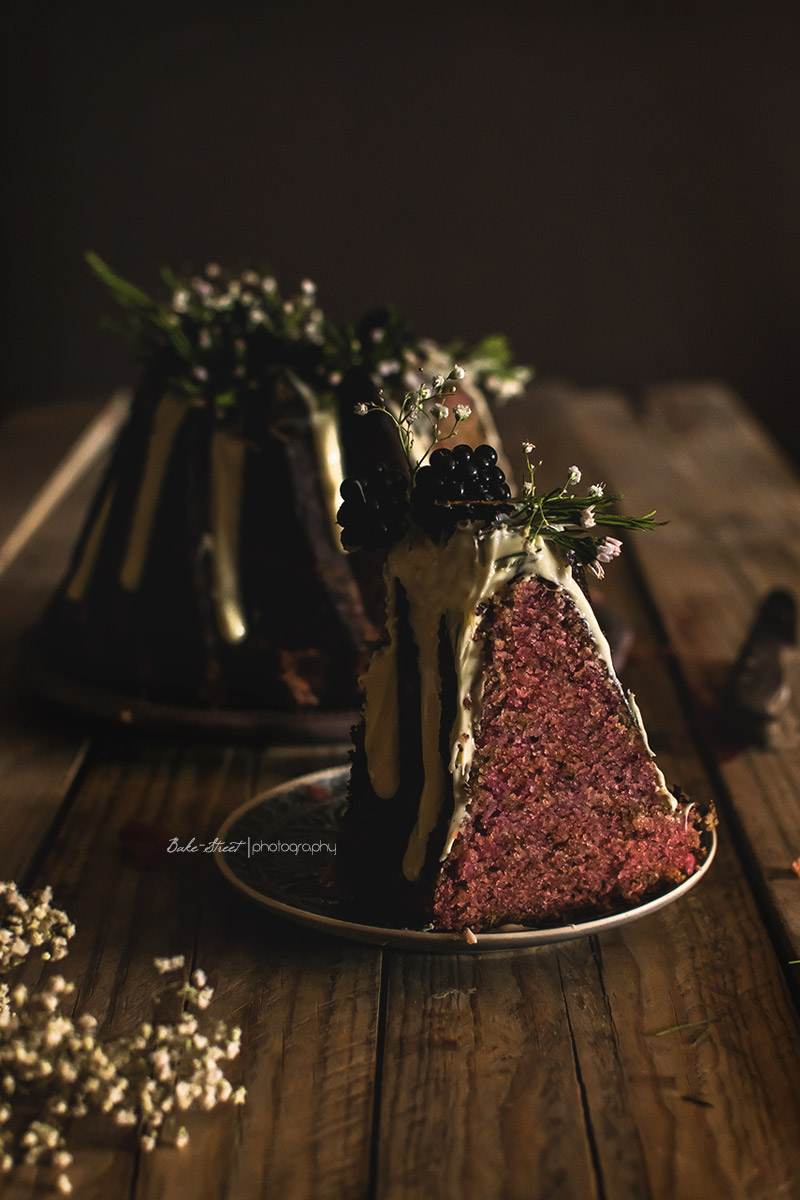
pixel 609 548
pixel 796 866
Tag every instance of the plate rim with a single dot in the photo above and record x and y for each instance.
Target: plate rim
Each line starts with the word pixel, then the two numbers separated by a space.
pixel 432 940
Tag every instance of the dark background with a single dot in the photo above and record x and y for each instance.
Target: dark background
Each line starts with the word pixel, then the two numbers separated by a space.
pixel 615 186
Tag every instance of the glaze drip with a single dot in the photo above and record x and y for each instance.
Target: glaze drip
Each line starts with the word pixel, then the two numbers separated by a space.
pixel 327 448
pixel 169 416
pixel 227 474
pixel 79 582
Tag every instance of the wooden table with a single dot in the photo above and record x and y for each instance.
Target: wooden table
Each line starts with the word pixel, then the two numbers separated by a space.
pixel 539 1074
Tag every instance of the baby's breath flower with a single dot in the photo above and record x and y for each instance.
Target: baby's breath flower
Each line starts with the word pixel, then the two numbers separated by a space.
pixel 361 409
pixel 457 372
pixel 574 475
pixel 528 447
pixel 440 411
pixel 596 489
pixel 587 517
pixel 462 411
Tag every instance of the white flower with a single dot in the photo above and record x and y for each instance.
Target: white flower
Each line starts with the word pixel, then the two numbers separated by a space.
pixel 596 489
pixel 457 372
pixel 200 373
pixel 528 447
pixel 438 381
pixel 335 378
pixel 308 287
pixel 440 411
pixel 574 475
pixel 609 548
pixel 199 978
pixel 462 411
pixel 180 301
pixel 587 517
pixel 597 570
pixel 361 409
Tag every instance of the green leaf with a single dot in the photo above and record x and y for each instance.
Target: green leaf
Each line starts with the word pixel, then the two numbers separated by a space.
pixel 125 293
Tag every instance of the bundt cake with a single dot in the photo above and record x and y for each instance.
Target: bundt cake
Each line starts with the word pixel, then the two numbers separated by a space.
pixel 209 573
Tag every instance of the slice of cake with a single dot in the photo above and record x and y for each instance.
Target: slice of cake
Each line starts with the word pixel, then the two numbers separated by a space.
pixel 500 773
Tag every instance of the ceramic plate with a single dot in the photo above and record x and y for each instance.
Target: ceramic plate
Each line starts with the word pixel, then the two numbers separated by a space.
pixel 276 848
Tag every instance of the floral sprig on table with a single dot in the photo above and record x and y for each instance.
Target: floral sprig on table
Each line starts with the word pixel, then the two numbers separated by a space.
pixel 565 518
pixel 219 334
pixel 55 1067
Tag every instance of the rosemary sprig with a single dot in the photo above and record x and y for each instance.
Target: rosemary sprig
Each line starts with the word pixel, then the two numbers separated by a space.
pixel 566 519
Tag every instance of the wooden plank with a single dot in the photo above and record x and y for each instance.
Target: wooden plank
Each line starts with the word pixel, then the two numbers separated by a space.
pixel 733 503
pixel 308 1005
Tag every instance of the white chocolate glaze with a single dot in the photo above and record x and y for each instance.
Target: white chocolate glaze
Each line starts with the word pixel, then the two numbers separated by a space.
pixel 227 473
pixel 451 583
pixel 76 589
pixel 167 420
pixel 666 795
pixel 327 448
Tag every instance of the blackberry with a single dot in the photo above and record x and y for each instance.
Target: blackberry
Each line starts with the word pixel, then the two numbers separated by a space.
pixel 375 508
pixel 459 485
